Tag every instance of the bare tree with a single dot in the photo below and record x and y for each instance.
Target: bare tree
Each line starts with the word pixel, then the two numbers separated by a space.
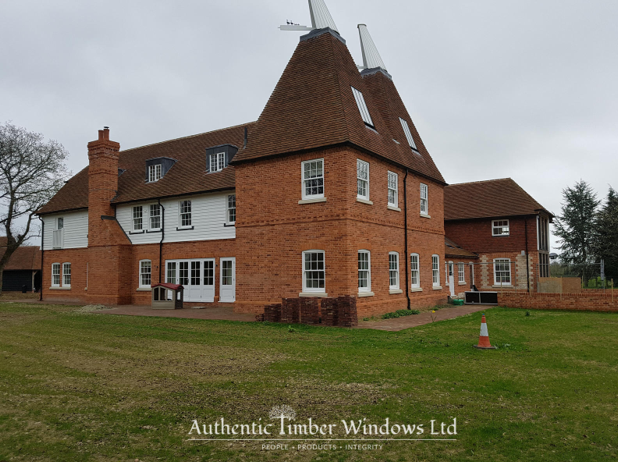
pixel 32 170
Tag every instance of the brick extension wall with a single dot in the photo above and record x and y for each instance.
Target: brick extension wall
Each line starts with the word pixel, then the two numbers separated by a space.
pixel 570 302
pixel 273 230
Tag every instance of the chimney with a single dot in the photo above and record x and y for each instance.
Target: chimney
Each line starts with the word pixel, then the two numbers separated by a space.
pixel 102 182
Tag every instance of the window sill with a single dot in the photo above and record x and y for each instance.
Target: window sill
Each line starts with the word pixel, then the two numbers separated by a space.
pixel 416 289
pixel 229 225
pixel 312 201
pixel 462 283
pixel 185 228
pixel 144 289
pixel 424 215
pixel 395 291
pixel 60 288
pixel 365 294
pixel 136 232
pixel 313 295
pixel 437 287
pixel 505 286
pixel 364 201
pixel 153 231
pixel 500 235
pixel 392 207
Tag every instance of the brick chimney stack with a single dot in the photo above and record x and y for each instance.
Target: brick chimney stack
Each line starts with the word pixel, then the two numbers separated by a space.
pixel 102 183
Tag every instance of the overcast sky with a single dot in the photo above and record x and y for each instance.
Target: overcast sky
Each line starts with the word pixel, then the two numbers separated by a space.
pixel 526 89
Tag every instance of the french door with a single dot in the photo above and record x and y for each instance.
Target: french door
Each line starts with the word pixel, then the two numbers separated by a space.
pixel 227 291
pixel 196 276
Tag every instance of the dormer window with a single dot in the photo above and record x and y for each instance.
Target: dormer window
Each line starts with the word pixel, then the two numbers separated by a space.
pixel 219 157
pixel 154 173
pixel 157 168
pixel 217 162
pixel 362 107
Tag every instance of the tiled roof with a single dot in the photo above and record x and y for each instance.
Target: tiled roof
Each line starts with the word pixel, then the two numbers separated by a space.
pixel 24 258
pixel 488 199
pixel 453 250
pixel 187 176
pixel 313 106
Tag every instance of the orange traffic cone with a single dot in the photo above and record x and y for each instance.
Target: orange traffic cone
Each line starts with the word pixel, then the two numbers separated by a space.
pixel 484 337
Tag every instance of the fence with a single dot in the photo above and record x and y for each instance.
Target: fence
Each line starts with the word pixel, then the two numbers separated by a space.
pixel 570 279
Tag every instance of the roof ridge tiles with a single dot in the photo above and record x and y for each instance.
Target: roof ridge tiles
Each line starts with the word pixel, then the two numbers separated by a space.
pixel 187 137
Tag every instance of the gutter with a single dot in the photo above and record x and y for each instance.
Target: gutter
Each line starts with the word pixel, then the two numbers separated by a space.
pixel 527 256
pixel 405 236
pixel 42 255
pixel 345 144
pixel 162 238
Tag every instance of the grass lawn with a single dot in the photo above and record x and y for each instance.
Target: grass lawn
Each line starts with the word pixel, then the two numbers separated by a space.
pixel 81 386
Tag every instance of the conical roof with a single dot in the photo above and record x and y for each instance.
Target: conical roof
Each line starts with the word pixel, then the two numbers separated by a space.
pixel 313 106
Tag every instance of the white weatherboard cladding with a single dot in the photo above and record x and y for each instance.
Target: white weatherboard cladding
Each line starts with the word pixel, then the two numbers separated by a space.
pixel 371 56
pixel 320 16
pixel 75 231
pixel 208 218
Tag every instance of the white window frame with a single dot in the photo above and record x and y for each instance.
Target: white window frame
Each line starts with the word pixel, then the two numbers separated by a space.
pixel 185 214
pixel 305 179
pixel 229 209
pixel 360 164
pixel 217 162
pixel 506 261
pixel 362 107
pixel 368 270
pixel 495 225
pixel 58 274
pixel 435 271
pixel 171 272
pixel 424 203
pixel 140 218
pixel 318 290
pixel 446 274
pixel 393 271
pixel 408 133
pixel 142 273
pixel 415 267
pixel 151 209
pixel 65 273
pixel 461 273
pixel 393 186
pixel 155 173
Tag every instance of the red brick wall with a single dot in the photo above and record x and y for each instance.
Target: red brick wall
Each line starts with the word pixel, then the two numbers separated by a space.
pixel 177 251
pixel 273 230
pixel 570 302
pixel 78 259
pixel 476 235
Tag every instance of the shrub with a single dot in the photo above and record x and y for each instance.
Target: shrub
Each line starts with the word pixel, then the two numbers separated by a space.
pixel 399 314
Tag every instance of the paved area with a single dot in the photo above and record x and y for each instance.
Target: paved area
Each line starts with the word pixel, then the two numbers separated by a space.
pixel 226 313
pixel 406 322
pixel 220 312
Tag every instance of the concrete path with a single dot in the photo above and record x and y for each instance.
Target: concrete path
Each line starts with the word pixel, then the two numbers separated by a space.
pixel 226 313
pixel 406 322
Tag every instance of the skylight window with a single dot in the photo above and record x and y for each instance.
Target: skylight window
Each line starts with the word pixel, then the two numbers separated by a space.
pixel 362 107
pixel 408 133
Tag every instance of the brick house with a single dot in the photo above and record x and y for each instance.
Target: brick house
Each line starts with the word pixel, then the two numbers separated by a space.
pixel 331 192
pixel 505 227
